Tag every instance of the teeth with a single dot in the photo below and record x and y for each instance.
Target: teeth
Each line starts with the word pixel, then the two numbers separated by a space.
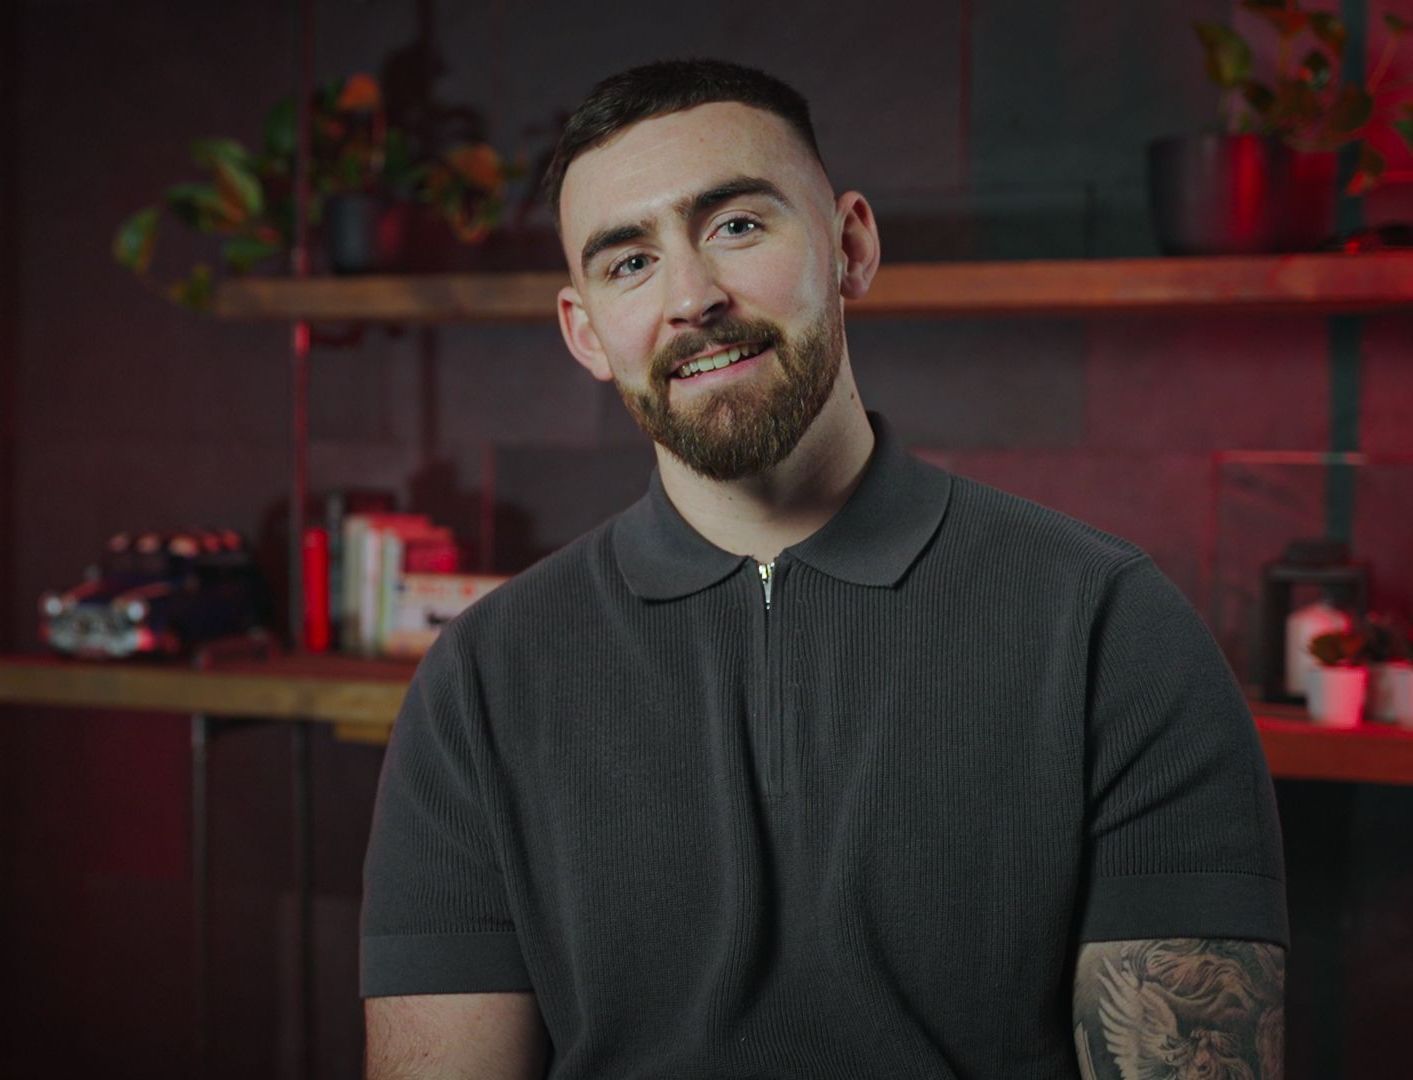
pixel 717 361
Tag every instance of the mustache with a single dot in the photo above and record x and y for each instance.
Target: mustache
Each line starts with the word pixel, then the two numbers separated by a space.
pixel 729 331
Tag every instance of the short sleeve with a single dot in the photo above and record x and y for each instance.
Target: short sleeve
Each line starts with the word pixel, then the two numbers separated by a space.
pixel 435 917
pixel 1182 834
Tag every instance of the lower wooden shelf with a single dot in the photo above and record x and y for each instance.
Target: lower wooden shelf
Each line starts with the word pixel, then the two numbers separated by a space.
pixel 1297 749
pixel 361 699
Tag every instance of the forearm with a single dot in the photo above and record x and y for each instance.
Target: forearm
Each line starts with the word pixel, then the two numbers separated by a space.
pixel 455 1037
pixel 1180 1007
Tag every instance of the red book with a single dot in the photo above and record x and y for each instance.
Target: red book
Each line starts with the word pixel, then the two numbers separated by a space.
pixel 317 631
pixel 434 553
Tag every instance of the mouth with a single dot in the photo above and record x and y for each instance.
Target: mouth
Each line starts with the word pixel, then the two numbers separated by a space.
pixel 721 358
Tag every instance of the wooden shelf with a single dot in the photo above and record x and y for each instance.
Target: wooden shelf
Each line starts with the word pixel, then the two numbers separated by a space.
pixel 1298 750
pixel 1266 284
pixel 1077 287
pixel 428 298
pixel 361 698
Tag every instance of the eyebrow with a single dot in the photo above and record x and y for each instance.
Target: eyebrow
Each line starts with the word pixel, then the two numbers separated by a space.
pixel 685 209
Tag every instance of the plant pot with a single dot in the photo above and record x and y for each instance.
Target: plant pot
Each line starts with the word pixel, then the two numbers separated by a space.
pixel 427 244
pixel 1391 692
pixel 1239 195
pixel 1335 695
pixel 364 233
pixel 1302 626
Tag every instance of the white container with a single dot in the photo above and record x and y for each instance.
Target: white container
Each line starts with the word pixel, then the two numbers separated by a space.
pixel 1335 695
pixel 1302 626
pixel 1391 692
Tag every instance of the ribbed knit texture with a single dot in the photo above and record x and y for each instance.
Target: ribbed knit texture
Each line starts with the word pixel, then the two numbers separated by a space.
pixel 859 836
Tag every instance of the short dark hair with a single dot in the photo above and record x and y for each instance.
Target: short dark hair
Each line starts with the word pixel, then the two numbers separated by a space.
pixel 670 86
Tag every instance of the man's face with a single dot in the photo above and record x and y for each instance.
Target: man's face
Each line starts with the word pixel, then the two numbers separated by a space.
pixel 702 248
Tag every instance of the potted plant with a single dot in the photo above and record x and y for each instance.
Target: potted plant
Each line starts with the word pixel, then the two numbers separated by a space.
pixel 359 168
pixel 1336 686
pixel 463 197
pixel 1390 670
pixel 367 180
pixel 245 202
pixel 1267 181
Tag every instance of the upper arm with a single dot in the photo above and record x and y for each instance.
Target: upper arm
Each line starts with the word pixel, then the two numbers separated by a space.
pixel 436 916
pixel 1182 1007
pixel 1180 833
pixel 454 1036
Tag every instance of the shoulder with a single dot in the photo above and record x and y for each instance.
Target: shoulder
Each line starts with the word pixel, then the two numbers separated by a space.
pixel 987 512
pixel 568 584
pixel 1029 545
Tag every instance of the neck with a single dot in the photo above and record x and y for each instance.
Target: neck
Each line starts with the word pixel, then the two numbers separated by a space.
pixel 762 515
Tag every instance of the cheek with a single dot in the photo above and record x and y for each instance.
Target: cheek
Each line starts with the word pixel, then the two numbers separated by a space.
pixel 627 330
pixel 785 283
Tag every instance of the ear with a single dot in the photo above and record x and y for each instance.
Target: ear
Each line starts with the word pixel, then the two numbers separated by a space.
pixel 857 249
pixel 579 334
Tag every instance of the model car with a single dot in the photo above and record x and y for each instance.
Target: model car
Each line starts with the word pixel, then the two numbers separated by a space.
pixel 156 593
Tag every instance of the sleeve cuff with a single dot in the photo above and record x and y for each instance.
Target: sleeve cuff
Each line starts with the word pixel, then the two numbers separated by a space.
pixel 397 964
pixel 1246 907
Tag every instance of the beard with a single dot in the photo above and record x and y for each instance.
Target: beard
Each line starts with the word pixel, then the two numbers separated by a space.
pixel 741 431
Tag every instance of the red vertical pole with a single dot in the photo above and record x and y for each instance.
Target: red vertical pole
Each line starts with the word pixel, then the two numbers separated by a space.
pixel 299 476
pixel 300 749
pixel 300 340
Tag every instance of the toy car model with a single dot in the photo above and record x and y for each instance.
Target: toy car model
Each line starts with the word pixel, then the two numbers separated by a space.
pixel 156 593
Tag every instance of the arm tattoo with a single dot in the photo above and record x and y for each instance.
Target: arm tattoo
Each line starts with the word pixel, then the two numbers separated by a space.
pixel 1182 1009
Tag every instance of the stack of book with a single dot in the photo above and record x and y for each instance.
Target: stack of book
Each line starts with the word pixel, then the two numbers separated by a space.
pixel 393 581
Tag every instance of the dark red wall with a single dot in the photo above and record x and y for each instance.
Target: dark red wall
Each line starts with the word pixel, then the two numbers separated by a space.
pixel 980 129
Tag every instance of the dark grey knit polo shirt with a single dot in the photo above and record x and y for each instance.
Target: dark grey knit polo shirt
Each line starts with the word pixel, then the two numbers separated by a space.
pixel 857 835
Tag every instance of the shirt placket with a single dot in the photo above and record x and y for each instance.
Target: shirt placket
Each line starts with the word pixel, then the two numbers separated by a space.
pixel 771 725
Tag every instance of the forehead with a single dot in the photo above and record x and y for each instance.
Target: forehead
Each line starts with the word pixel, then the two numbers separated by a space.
pixel 645 168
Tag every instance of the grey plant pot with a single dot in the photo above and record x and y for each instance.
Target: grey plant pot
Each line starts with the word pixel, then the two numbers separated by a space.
pixel 1239 195
pixel 363 233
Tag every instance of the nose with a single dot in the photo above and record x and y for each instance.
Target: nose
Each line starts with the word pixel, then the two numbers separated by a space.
pixel 695 296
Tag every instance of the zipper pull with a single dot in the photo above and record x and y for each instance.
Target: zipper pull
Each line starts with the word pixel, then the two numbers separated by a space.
pixel 767 572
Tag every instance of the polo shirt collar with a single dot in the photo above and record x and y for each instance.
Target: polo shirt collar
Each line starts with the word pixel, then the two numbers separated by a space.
pixel 873 539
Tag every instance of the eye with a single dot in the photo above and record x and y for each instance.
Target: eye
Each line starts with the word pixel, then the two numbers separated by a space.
pixel 737 226
pixel 628 266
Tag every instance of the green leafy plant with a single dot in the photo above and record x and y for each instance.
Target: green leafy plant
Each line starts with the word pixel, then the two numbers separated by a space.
pixel 1305 102
pixel 353 149
pixel 1388 639
pixel 467 185
pixel 245 200
pixel 1340 648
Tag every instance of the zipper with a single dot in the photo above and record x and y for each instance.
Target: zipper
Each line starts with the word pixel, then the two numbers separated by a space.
pixel 767 575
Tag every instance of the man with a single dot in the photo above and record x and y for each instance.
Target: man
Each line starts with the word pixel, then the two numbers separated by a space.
pixel 816 762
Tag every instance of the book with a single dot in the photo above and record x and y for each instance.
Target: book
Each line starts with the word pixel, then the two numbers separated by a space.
pixel 427 602
pixel 427 547
pixel 338 504
pixel 362 574
pixel 431 554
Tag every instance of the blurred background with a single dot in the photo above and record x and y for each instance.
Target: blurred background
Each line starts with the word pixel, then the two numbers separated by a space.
pixel 980 130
